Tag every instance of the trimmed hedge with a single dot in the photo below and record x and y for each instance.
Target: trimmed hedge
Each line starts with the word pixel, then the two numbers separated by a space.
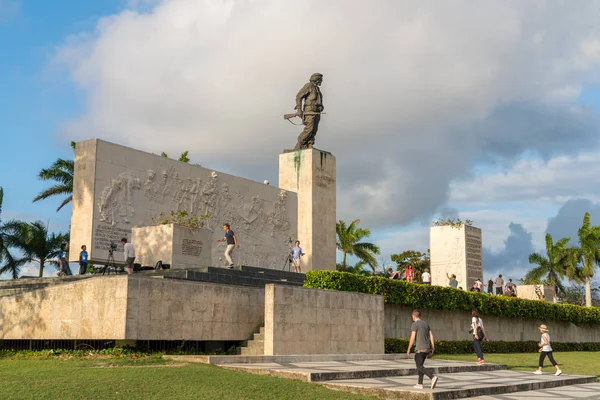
pixel 466 346
pixel 446 298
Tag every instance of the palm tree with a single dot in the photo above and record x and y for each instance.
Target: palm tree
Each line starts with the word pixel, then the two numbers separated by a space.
pixel 553 267
pixel 5 256
pixel 34 242
pixel 589 252
pixel 61 171
pixel 349 242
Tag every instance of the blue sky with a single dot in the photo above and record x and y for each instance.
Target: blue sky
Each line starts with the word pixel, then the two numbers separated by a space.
pixel 497 124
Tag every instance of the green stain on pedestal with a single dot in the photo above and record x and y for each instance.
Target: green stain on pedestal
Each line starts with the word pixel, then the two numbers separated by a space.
pixel 297 166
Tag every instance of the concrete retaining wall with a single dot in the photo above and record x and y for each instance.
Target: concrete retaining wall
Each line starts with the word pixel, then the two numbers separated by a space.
pixel 86 309
pixel 311 321
pixel 454 325
pixel 168 309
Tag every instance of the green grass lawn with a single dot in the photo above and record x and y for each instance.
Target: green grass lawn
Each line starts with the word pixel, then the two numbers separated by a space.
pixel 572 363
pixel 148 378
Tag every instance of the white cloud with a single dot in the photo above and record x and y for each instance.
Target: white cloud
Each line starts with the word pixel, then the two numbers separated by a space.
pixel 557 180
pixel 415 92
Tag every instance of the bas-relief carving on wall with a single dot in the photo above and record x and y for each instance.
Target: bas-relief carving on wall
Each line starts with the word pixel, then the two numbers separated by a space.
pixel 252 218
pixel 116 200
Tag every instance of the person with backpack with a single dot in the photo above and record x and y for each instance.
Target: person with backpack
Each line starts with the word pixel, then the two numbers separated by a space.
pixel 546 350
pixel 478 331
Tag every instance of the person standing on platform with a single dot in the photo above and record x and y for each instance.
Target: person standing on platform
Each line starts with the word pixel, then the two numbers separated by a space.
pixel 296 254
pixel 452 282
pixel 546 350
pixel 426 277
pixel 499 283
pixel 409 273
pixel 490 286
pixel 422 337
pixel 231 241
pixel 64 268
pixel 83 260
pixel 129 254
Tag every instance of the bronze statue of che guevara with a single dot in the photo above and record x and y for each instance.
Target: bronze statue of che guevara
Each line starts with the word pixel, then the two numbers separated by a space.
pixel 310 111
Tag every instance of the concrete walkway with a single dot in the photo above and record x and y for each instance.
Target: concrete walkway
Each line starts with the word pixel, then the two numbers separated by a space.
pixel 389 378
pixel 589 391
pixel 353 370
pixel 458 385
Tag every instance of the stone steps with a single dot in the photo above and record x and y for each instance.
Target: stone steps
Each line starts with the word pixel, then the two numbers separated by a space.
pixel 254 346
pixel 304 358
pixel 458 385
pixel 584 391
pixel 392 376
pixel 242 276
pixel 345 370
pixel 17 286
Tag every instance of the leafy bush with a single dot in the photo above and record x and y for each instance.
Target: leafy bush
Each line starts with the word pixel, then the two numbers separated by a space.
pixel 446 298
pixel 466 346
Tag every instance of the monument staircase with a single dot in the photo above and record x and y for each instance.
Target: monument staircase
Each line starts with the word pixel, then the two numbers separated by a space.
pixel 392 376
pixel 242 275
pixel 18 286
pixel 239 275
pixel 254 346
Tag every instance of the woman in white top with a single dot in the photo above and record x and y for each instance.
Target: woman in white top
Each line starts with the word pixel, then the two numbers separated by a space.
pixel 546 350
pixel 479 334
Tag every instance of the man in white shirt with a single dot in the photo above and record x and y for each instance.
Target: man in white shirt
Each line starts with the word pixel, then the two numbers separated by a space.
pixel 426 277
pixel 129 254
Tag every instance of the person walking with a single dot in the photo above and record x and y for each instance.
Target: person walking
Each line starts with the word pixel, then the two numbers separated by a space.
pixel 499 283
pixel 479 334
pixel 490 286
pixel 546 350
pixel 83 260
pixel 231 241
pixel 129 254
pixel 426 277
pixel 422 337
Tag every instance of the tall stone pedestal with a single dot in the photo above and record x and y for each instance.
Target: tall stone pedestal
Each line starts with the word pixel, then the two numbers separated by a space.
pixel 311 174
pixel 455 250
pixel 172 244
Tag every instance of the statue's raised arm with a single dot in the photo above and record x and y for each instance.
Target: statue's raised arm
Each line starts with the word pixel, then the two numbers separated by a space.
pixel 309 107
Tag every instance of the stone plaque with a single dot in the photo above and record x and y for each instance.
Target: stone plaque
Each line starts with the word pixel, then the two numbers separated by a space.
pixel 190 247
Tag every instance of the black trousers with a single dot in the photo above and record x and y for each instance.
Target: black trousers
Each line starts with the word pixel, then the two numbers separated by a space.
pixel 543 355
pixel 419 361
pixel 498 290
pixel 477 346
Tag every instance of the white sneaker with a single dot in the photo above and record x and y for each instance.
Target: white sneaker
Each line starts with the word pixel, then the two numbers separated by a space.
pixel 434 382
pixel 417 386
pixel 538 372
pixel 559 372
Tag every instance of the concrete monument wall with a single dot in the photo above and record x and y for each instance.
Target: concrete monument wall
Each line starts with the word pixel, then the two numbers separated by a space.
pixel 175 245
pixel 311 321
pixel 116 188
pixel 454 325
pixel 167 309
pixel 531 292
pixel 85 309
pixel 311 173
pixel 133 308
pixel 455 250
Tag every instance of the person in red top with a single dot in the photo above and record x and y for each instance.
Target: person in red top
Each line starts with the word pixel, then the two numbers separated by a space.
pixel 410 273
